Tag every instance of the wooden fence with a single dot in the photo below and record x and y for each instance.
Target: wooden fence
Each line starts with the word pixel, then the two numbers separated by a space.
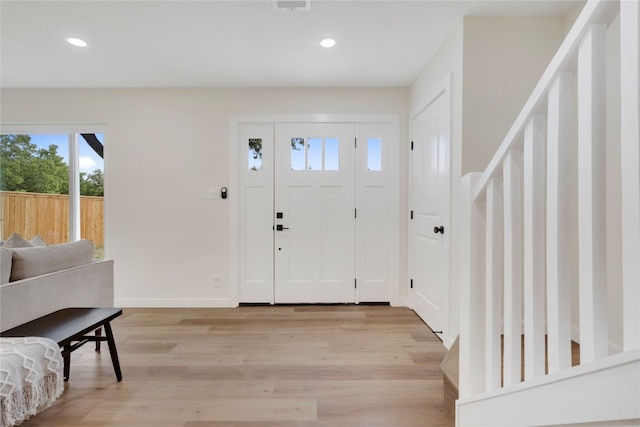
pixel 30 214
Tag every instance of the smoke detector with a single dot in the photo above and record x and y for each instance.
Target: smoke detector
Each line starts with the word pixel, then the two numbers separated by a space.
pixel 292 5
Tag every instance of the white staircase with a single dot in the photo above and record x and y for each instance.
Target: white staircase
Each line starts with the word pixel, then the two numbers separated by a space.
pixel 552 243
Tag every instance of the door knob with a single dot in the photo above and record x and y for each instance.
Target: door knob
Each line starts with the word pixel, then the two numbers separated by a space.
pixel 280 227
pixel 439 229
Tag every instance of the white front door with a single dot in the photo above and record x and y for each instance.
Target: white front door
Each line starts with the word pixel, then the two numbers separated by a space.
pixel 337 204
pixel 429 295
pixel 314 213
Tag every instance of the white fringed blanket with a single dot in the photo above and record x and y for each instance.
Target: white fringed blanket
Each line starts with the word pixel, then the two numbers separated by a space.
pixel 31 377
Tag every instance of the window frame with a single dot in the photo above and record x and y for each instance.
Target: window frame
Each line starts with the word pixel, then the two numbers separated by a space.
pixel 73 131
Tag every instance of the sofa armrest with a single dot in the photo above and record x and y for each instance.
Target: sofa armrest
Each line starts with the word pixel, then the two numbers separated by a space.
pixel 89 285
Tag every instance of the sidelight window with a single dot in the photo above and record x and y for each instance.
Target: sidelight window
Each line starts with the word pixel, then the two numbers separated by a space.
pixel 255 154
pixel 374 154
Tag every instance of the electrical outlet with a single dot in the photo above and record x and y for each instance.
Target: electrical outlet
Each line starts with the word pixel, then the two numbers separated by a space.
pixel 216 280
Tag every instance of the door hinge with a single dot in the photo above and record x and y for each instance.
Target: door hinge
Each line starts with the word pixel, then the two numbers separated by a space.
pixel 411 145
pixel 411 215
pixel 355 213
pixel 355 283
pixel 411 283
pixel 355 142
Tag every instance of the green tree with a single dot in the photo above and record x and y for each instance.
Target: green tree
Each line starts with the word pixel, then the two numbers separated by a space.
pixel 92 184
pixel 25 167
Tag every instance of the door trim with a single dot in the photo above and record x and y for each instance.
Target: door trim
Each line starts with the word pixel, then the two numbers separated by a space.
pixel 235 120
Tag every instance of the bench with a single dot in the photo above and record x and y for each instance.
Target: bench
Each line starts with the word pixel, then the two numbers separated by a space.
pixel 69 328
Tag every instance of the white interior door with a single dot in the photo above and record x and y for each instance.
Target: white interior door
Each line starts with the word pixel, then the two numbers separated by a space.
pixel 315 213
pixel 430 177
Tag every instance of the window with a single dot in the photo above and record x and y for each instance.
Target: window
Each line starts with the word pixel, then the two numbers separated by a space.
pixel 331 154
pixel 374 154
pixel 255 154
pixel 40 195
pixel 315 154
pixel 298 154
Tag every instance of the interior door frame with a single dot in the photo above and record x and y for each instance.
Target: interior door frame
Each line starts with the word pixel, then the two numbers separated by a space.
pixel 235 121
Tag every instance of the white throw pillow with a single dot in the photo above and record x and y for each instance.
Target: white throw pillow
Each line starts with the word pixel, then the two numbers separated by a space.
pixel 16 241
pixel 38 241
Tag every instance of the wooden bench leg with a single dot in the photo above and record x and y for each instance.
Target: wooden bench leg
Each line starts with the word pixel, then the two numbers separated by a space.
pixel 113 351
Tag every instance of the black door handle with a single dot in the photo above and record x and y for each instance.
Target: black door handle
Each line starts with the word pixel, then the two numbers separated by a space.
pixel 439 229
pixel 281 227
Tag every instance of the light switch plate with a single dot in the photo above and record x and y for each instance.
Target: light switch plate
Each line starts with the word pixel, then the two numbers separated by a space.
pixel 210 193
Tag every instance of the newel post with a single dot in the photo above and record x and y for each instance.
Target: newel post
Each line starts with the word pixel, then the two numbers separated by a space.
pixel 472 292
pixel 630 168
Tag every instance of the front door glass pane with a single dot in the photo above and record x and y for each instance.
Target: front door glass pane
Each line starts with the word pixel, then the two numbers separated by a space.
pixel 314 147
pixel 331 154
pixel 297 154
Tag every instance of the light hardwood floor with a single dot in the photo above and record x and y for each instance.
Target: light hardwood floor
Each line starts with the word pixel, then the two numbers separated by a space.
pixel 265 366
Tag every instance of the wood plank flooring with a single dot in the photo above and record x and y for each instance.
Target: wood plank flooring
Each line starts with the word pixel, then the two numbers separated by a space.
pixel 264 366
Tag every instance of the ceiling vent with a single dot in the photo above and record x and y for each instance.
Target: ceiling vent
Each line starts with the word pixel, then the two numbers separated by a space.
pixel 292 5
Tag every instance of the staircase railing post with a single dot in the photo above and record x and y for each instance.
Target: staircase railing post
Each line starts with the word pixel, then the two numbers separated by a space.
pixel 472 293
pixel 592 256
pixel 630 168
pixel 559 134
pixel 494 283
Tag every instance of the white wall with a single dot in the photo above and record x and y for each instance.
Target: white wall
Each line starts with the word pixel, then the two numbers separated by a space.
pixel 572 15
pixel 161 147
pixel 504 57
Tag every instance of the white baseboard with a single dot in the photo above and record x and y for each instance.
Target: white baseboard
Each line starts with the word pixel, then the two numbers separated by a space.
pixel 175 302
pixel 448 341
pixel 399 302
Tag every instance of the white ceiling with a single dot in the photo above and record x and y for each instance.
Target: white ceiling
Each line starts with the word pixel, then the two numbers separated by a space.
pixel 233 43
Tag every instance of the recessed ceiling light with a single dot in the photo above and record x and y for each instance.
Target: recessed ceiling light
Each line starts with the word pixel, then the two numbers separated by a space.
pixel 328 43
pixel 76 42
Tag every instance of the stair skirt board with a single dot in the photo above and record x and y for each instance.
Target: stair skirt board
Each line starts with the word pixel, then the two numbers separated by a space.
pixel 606 392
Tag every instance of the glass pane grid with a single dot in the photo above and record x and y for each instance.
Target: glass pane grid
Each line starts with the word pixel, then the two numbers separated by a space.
pixel 315 154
